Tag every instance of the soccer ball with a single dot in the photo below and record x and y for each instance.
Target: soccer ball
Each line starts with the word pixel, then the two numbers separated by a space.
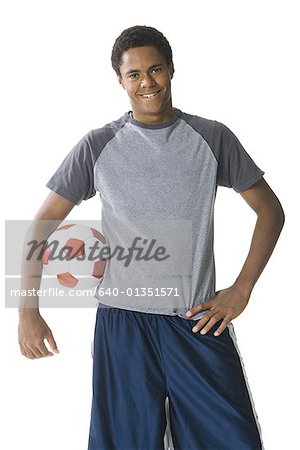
pixel 73 256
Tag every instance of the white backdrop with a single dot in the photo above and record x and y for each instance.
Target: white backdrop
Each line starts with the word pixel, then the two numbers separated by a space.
pixel 235 62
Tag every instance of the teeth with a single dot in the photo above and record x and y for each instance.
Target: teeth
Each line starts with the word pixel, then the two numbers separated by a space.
pixel 150 95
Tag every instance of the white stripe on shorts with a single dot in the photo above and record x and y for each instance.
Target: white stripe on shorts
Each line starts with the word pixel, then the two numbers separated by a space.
pixel 234 339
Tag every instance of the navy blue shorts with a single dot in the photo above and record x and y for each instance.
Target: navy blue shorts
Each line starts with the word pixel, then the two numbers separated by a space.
pixel 157 385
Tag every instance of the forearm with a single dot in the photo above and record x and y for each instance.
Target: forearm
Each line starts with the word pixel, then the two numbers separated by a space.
pixel 52 212
pixel 32 265
pixel 266 233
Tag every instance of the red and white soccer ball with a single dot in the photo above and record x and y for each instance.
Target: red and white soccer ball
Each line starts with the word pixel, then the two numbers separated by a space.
pixel 70 258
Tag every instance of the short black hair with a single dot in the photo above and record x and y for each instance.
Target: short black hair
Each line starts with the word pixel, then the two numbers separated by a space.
pixel 140 36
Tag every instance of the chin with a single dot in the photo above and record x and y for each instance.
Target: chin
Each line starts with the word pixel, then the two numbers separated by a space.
pixel 153 109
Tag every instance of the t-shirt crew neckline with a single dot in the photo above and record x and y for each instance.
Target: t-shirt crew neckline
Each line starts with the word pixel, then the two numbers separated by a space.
pixel 154 126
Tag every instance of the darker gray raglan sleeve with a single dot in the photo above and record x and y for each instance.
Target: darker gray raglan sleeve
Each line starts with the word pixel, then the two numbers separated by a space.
pixel 236 168
pixel 74 179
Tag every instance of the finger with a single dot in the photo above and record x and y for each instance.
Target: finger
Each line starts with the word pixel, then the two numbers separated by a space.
pixel 52 343
pixel 24 352
pixel 222 327
pixel 28 353
pixel 202 322
pixel 208 324
pixel 43 349
pixel 36 352
pixel 191 312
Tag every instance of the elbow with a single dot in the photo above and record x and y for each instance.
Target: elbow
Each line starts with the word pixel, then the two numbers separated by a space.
pixel 274 214
pixel 282 217
pixel 279 215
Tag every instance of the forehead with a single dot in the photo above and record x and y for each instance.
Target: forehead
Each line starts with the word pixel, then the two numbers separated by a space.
pixel 141 58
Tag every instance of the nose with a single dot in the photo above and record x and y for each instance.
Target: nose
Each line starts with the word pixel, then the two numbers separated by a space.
pixel 147 81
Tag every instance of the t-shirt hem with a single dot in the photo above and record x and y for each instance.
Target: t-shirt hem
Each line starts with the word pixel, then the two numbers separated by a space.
pixel 179 313
pixel 66 194
pixel 247 184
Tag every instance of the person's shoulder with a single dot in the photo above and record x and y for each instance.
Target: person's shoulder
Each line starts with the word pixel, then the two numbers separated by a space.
pixel 107 131
pixel 198 121
pixel 203 125
pixel 189 117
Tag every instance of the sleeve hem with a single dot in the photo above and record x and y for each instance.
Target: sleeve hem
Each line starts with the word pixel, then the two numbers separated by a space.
pixel 247 184
pixel 63 193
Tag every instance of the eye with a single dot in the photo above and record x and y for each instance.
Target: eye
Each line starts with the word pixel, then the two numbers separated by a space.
pixel 133 76
pixel 156 69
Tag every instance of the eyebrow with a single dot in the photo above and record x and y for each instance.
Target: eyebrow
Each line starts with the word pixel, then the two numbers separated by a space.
pixel 136 70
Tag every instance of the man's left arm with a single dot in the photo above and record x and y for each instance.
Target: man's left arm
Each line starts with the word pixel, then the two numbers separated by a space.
pixel 229 303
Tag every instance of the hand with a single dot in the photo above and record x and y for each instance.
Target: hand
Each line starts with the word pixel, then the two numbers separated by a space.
pixel 32 331
pixel 227 305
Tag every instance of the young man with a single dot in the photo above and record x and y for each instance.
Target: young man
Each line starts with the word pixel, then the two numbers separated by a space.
pixel 159 162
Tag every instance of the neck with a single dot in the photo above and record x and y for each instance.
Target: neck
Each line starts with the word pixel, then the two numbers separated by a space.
pixel 153 118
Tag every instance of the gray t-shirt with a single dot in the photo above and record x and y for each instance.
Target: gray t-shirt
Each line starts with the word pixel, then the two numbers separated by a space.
pixel 167 171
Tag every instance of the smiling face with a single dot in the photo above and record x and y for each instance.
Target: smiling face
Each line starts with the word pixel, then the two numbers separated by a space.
pixel 146 77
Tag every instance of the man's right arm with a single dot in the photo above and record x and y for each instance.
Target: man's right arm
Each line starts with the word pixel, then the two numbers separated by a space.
pixel 32 328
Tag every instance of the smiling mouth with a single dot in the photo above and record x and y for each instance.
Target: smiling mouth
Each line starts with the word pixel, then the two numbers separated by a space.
pixel 151 95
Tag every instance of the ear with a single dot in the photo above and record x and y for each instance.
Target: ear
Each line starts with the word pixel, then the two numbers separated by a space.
pixel 171 70
pixel 120 79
